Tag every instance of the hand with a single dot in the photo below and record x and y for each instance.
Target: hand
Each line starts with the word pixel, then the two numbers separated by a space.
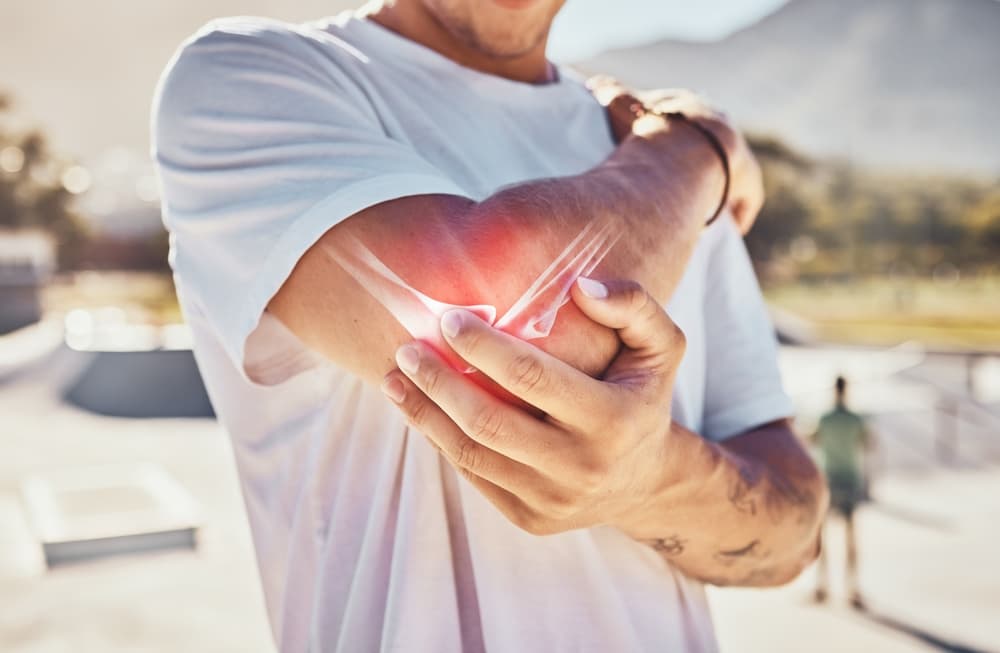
pixel 629 113
pixel 598 448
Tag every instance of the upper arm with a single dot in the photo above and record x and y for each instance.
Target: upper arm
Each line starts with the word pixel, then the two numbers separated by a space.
pixel 260 155
pixel 264 157
pixel 333 313
pixel 452 254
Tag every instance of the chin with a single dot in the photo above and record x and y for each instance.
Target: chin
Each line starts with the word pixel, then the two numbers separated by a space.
pixel 503 29
pixel 516 5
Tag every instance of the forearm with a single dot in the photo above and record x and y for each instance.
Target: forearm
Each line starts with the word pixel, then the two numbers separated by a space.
pixel 463 252
pixel 745 512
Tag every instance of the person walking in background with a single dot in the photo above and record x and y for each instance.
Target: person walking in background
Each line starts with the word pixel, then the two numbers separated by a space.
pixel 843 439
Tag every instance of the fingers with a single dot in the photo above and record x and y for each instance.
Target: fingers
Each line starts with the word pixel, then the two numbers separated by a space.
pixel 748 192
pixel 623 107
pixel 524 370
pixel 606 89
pixel 464 453
pixel 486 424
pixel 677 99
pixel 656 343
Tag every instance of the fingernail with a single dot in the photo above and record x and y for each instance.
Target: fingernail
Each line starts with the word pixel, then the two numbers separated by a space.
pixel 408 359
pixel 393 389
pixel 591 288
pixel 451 323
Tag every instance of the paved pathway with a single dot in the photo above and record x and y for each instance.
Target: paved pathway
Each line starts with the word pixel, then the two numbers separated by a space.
pixel 928 544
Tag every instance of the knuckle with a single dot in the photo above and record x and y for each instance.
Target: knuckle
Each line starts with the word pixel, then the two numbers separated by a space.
pixel 636 298
pixel 613 416
pixel 469 454
pixel 590 478
pixel 527 373
pixel 488 424
pixel 678 341
pixel 417 412
pixel 432 381
pixel 651 312
pixel 467 474
pixel 561 507
pixel 470 340
pixel 534 523
pixel 523 519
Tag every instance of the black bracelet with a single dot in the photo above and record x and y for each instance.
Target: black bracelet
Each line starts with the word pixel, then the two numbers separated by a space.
pixel 713 140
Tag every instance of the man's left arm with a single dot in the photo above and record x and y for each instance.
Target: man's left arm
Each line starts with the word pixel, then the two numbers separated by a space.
pixel 746 512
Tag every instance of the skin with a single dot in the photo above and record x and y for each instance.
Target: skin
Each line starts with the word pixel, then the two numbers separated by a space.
pixel 659 185
pixel 606 451
pixel 506 38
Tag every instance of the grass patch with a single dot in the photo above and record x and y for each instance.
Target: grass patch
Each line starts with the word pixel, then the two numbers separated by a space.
pixel 946 313
pixel 146 297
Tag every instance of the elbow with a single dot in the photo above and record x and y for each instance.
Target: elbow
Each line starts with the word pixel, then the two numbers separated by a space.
pixel 818 492
pixel 796 564
pixel 801 535
pixel 806 541
pixel 777 573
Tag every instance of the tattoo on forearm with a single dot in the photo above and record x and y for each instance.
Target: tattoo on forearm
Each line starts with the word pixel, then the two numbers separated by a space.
pixel 668 546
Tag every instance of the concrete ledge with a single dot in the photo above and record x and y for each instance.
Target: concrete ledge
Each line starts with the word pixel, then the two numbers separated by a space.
pixel 155 383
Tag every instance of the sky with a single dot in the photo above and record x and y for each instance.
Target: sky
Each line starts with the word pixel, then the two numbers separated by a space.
pixel 629 22
pixel 89 98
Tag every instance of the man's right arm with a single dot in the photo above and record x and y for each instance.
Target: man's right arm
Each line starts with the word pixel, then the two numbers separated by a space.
pixel 657 187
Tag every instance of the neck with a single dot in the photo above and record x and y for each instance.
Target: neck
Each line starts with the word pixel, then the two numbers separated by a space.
pixel 412 20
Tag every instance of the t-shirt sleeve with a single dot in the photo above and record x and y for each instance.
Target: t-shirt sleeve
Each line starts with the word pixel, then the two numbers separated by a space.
pixel 262 144
pixel 743 383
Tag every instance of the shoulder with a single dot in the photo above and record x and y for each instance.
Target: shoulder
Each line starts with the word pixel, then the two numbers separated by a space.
pixel 253 33
pixel 240 67
pixel 257 52
pixel 241 43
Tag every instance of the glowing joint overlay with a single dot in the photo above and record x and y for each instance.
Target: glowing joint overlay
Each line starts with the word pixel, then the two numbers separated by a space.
pixel 532 316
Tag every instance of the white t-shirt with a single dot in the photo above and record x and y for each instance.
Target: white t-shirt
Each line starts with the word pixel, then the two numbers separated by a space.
pixel 267 134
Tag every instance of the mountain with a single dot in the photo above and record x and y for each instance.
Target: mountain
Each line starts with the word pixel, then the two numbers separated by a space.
pixel 905 84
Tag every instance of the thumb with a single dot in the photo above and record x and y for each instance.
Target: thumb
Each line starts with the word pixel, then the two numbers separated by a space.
pixel 653 342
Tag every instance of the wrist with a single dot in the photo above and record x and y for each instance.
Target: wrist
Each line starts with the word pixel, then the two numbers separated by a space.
pixel 687 463
pixel 675 161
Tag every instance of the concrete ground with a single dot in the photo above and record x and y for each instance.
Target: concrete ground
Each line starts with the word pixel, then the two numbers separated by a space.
pixel 927 544
pixel 203 600
pixel 928 574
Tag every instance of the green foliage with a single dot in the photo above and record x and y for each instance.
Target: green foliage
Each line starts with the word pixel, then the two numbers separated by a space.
pixel 829 220
pixel 31 190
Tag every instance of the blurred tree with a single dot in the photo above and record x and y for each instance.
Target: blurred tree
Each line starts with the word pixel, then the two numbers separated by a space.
pixel 984 218
pixel 32 194
pixel 831 220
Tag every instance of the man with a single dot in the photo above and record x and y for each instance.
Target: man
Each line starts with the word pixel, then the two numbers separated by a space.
pixel 587 514
pixel 843 440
